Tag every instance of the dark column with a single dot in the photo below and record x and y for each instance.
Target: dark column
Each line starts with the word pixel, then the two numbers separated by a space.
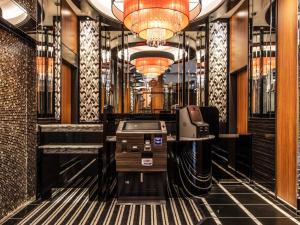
pixel 261 97
pixel 207 64
pixel 105 47
pixel 100 67
pixel 183 72
pixel 122 74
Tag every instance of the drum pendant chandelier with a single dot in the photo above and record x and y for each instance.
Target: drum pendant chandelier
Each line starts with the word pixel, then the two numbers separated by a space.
pixel 156 20
pixel 151 64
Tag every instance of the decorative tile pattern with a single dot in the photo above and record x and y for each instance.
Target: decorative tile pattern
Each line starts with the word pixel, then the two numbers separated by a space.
pixel 89 71
pixel 57 68
pixel 131 100
pixel 17 122
pixel 218 67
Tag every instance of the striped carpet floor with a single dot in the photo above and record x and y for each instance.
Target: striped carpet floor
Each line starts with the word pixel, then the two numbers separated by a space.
pixel 75 206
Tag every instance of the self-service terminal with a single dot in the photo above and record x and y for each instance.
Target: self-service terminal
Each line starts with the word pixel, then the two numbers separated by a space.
pixel 141 160
pixel 191 124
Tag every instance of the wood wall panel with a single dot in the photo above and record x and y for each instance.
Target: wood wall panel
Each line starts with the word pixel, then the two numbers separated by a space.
pixel 242 102
pixel 127 97
pixel 66 81
pixel 238 62
pixel 286 114
pixel 239 38
pixel 69 30
pixel 157 96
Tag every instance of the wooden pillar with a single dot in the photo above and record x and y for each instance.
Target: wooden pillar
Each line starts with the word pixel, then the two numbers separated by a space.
pixel 126 80
pixel 242 102
pixel 287 101
pixel 66 99
pixel 238 48
pixel 157 93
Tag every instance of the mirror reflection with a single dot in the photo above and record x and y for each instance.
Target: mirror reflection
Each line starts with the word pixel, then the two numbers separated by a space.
pixel 263 61
pixel 127 85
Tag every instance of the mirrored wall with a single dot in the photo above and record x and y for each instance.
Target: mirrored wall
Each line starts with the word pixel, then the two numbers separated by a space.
pixel 42 25
pixel 262 86
pixel 48 60
pixel 127 90
pixel 263 58
pixel 84 64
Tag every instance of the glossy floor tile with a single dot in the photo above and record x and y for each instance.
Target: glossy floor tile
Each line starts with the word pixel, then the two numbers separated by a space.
pixel 232 201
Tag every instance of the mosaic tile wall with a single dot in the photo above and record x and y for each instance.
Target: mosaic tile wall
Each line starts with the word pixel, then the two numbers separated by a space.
pixel 218 67
pixel 89 71
pixel 57 68
pixel 17 122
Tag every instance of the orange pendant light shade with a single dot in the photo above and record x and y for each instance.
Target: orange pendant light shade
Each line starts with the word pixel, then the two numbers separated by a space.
pixel 152 65
pixel 156 20
pixel 149 65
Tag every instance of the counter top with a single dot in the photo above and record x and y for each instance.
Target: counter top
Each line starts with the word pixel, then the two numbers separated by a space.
pixel 71 148
pixel 111 138
pixel 170 138
pixel 228 136
pixel 209 137
pixel 71 127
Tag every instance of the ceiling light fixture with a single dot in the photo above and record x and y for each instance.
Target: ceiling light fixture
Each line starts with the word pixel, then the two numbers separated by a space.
pixel 152 64
pixel 12 12
pixel 156 20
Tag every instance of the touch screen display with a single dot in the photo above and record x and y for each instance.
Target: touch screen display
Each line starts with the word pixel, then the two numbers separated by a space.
pixel 135 126
pixel 158 140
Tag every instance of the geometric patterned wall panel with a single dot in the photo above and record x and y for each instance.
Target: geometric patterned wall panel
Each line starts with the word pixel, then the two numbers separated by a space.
pixel 89 71
pixel 218 59
pixel 57 68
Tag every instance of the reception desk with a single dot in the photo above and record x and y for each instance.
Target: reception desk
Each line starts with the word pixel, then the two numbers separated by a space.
pixel 188 159
pixel 191 164
pixel 132 161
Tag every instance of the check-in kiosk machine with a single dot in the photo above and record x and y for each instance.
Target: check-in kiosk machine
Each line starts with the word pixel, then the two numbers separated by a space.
pixel 141 160
pixel 191 124
pixel 193 152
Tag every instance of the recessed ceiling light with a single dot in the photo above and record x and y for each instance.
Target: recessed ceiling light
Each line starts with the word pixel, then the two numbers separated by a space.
pixel 12 12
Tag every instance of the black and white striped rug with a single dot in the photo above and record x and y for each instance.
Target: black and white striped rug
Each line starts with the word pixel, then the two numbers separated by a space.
pixel 74 206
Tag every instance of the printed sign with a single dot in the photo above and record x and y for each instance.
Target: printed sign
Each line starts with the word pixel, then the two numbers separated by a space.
pixel 147 162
